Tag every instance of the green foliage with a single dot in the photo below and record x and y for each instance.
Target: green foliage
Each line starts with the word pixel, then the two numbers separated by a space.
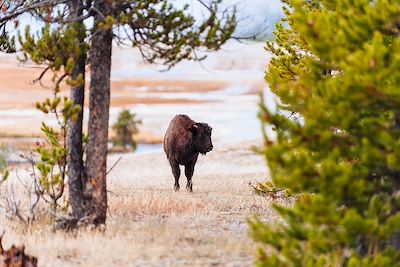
pixel 52 165
pixel 336 72
pixel 7 43
pixel 125 127
pixel 268 189
pixel 57 49
pixel 164 33
pixel 167 35
pixel 4 173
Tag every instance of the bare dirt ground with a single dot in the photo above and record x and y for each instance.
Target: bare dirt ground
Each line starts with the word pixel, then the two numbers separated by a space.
pixel 151 225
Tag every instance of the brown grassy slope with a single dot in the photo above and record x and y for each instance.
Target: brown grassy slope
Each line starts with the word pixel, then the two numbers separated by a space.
pixel 151 225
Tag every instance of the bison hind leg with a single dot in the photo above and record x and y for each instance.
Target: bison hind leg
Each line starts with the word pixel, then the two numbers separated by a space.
pixel 176 171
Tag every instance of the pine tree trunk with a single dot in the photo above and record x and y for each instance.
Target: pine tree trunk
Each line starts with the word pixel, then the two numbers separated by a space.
pixel 99 104
pixel 75 150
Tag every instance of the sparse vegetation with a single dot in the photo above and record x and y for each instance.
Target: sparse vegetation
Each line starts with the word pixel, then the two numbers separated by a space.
pixel 20 199
pixel 125 127
pixel 52 166
pixel 4 173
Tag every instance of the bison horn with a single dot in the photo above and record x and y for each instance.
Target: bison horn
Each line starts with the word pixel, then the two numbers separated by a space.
pixel 194 128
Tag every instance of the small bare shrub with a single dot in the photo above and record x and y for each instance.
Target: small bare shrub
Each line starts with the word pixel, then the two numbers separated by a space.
pixel 19 199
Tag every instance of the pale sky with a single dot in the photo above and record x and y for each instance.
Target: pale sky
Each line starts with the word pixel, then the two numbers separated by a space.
pixel 260 13
pixel 253 15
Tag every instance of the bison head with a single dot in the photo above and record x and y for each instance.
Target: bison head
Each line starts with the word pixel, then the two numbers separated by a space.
pixel 202 137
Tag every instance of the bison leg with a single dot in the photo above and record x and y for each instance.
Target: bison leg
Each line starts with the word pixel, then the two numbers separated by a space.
pixel 189 169
pixel 177 173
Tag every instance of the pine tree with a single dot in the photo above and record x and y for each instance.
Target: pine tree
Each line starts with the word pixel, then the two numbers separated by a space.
pixel 125 127
pixel 336 72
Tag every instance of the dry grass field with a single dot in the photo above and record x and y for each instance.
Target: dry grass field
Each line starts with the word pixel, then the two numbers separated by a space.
pixel 151 225
pixel 148 223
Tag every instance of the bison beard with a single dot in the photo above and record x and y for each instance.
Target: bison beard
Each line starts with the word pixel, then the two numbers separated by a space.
pixel 183 142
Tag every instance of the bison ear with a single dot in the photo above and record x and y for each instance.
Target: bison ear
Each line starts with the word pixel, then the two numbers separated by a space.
pixel 194 128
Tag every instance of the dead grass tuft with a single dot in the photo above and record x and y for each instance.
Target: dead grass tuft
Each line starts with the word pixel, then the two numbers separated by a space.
pixel 153 202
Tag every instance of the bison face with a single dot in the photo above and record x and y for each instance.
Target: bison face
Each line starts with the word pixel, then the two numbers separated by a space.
pixel 202 137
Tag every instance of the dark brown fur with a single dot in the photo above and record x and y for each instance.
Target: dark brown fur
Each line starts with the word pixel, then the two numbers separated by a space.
pixel 183 142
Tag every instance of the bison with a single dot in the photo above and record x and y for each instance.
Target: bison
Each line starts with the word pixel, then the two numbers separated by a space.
pixel 183 142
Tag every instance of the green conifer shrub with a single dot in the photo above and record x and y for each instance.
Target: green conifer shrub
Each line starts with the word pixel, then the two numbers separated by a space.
pixel 52 166
pixel 125 127
pixel 336 66
pixel 58 50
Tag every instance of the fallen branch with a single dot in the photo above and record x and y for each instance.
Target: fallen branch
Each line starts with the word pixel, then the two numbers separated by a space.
pixel 267 189
pixel 262 192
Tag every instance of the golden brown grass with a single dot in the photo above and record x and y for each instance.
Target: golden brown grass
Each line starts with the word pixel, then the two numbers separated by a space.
pixel 151 225
pixel 19 92
pixel 25 141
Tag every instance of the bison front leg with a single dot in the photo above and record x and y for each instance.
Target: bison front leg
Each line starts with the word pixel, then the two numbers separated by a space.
pixel 189 169
pixel 176 171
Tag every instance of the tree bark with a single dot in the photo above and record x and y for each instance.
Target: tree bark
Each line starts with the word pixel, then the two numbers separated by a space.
pixel 77 96
pixel 99 104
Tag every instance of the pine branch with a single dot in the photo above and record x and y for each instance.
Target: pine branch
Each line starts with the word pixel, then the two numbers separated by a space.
pixel 17 11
